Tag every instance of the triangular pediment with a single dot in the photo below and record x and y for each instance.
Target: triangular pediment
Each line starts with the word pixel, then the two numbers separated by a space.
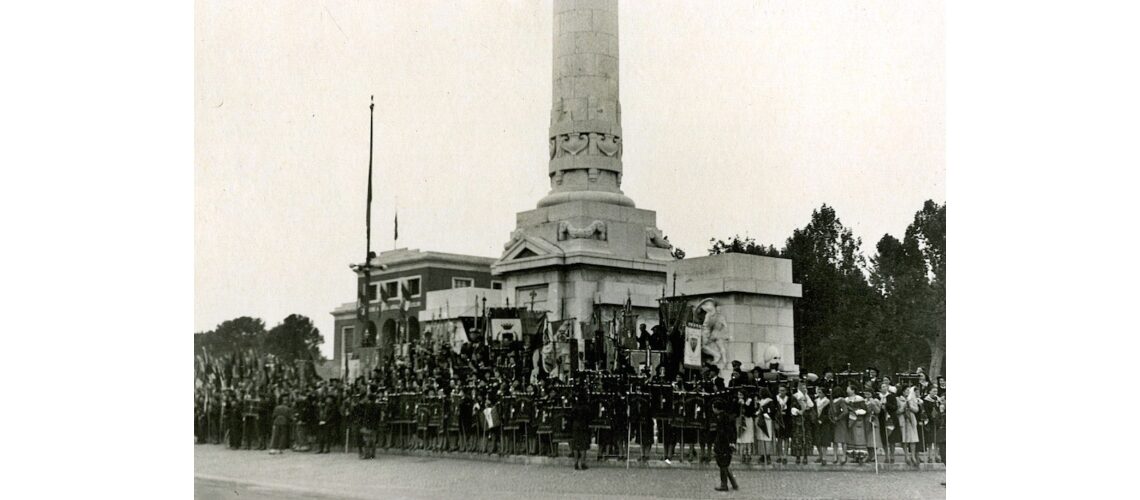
pixel 530 246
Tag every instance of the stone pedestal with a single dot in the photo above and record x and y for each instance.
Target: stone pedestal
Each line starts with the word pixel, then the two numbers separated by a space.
pixel 755 295
pixel 576 254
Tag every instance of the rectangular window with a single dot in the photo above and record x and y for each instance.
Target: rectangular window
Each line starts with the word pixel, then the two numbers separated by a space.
pixel 496 285
pixel 391 290
pixel 413 287
pixel 462 282
pixel 373 290
pixel 346 337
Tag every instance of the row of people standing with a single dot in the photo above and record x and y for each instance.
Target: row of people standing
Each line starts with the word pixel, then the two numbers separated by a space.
pixel 849 423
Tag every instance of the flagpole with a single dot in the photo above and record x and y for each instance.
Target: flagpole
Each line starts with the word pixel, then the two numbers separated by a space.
pixel 366 268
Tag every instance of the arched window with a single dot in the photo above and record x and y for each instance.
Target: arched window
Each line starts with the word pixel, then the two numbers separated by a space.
pixel 369 339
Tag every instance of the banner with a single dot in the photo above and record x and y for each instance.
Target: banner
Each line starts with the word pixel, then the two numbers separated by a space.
pixel 353 369
pixel 563 330
pixel 651 359
pixel 457 334
pixel 693 343
pixel 490 418
pixel 511 328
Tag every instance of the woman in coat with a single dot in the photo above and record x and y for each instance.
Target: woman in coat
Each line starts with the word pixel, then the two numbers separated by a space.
pixel 582 414
pixel 746 425
pixel 871 424
pixel 765 428
pixel 931 409
pixel 909 408
pixel 856 432
pixel 838 413
pixel 800 441
pixel 824 431
pixel 783 422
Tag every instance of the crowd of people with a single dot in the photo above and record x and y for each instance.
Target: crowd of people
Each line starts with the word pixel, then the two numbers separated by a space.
pixel 482 400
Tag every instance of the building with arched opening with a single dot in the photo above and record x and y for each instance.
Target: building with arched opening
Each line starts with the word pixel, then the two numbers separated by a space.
pixel 397 295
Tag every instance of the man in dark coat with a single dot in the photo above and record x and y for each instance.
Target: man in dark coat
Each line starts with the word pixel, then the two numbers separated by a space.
pixel 233 417
pixel 583 413
pixel 658 341
pixel 642 338
pixel 725 444
pixel 328 421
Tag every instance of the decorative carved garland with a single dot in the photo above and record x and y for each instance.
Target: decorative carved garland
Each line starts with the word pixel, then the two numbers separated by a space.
pixel 592 143
pixel 596 230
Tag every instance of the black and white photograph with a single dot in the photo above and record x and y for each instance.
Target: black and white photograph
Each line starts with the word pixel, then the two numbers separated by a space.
pixel 436 242
pixel 567 249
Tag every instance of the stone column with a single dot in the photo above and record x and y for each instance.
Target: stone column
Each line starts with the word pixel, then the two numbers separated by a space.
pixel 585 118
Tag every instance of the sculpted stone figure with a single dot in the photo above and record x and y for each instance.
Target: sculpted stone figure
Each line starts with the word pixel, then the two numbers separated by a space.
pixel 715 332
pixel 516 235
pixel 657 238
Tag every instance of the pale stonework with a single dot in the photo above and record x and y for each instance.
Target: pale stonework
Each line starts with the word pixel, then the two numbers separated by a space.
pixel 586 243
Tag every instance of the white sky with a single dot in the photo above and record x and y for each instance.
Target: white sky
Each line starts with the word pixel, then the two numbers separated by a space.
pixel 738 117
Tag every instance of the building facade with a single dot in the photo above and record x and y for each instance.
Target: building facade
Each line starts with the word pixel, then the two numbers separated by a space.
pixel 397 296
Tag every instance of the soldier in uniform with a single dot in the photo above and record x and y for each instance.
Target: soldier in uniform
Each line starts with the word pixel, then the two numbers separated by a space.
pixel 265 414
pixel 365 414
pixel 328 421
pixel 214 405
pixel 232 416
pixel 725 444
pixel 282 415
pixel 251 414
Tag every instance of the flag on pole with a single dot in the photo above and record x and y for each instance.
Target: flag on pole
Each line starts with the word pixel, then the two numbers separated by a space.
pixel 396 227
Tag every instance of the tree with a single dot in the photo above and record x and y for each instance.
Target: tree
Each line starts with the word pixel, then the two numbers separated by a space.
pixel 929 234
pixel 898 275
pixel 736 244
pixel 837 315
pixel 678 253
pixel 231 336
pixel 294 338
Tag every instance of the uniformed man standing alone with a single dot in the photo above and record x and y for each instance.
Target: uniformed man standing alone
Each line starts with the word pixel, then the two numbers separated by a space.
pixel 724 444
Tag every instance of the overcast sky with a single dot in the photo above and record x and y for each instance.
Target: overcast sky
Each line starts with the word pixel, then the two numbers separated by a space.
pixel 738 117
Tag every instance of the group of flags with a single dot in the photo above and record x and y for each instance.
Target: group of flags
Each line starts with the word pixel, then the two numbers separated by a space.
pixel 233 369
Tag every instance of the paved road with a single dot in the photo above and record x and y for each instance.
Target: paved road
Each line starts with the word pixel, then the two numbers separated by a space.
pixel 224 474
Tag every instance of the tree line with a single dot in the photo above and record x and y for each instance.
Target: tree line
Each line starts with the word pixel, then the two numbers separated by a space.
pixel 295 338
pixel 888 311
